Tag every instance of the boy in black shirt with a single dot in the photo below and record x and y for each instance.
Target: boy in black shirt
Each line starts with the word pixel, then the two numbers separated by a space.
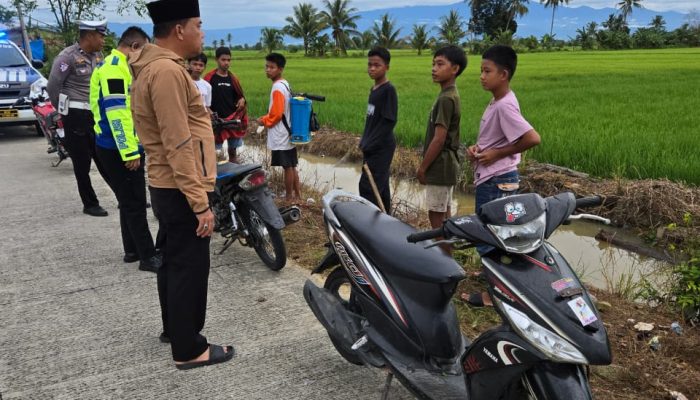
pixel 378 142
pixel 227 101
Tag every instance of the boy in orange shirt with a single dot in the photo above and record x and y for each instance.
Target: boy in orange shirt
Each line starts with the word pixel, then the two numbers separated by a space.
pixel 284 154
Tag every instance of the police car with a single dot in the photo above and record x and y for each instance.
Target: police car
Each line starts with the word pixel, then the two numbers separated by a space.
pixel 18 77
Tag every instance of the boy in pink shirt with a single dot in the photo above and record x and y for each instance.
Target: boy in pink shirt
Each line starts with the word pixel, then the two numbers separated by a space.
pixel 503 135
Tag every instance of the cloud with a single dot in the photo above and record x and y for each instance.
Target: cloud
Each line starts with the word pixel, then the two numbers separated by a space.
pixel 218 14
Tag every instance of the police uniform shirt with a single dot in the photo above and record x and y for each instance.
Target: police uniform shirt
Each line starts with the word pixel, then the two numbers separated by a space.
pixel 70 74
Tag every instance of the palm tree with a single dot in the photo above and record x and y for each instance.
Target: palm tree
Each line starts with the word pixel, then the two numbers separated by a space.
pixel 385 32
pixel 516 7
pixel 554 4
pixel 228 39
pixel 658 23
pixel 270 39
pixel 338 17
pixel 591 28
pixel 213 44
pixel 450 29
pixel 319 44
pixel 420 39
pixel 221 42
pixel 305 24
pixel 626 7
pixel 364 40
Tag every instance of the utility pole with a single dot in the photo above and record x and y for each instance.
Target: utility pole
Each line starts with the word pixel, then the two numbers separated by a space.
pixel 25 37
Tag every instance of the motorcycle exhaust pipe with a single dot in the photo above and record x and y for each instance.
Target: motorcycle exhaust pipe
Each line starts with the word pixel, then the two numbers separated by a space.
pixel 290 215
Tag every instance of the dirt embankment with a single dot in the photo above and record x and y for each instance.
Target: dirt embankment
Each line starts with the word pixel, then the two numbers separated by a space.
pixel 667 213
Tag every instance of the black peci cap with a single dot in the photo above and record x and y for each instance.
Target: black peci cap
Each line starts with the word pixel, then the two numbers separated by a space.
pixel 172 10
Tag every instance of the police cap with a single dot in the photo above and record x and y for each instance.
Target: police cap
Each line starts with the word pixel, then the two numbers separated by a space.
pixel 99 26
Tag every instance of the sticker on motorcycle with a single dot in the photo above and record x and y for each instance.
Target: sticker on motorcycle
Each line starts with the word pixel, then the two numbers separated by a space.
pixel 582 311
pixel 562 284
pixel 514 211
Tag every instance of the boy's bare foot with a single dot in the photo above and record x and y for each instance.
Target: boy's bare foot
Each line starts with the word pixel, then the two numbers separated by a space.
pixel 477 299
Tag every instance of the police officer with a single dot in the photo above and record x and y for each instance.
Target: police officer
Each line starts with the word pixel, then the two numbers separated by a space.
pixel 69 91
pixel 119 150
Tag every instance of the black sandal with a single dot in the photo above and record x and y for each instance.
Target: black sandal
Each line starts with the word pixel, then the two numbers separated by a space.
pixel 217 355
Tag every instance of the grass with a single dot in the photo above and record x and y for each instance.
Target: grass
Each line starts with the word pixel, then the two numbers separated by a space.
pixel 623 113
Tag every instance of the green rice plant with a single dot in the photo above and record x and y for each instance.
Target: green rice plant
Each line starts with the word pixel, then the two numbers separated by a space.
pixel 609 113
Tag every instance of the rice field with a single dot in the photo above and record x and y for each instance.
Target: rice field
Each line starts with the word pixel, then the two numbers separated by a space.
pixel 632 114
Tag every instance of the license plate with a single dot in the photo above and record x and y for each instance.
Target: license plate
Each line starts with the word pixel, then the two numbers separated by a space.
pixel 9 114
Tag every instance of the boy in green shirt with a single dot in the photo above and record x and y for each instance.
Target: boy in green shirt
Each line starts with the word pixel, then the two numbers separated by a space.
pixel 440 166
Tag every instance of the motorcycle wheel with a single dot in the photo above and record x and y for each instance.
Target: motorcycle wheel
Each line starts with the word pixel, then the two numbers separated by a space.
pixel 267 241
pixel 39 129
pixel 339 285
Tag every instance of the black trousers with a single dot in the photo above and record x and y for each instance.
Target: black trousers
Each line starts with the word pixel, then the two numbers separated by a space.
pixel 80 143
pixel 379 164
pixel 130 189
pixel 183 278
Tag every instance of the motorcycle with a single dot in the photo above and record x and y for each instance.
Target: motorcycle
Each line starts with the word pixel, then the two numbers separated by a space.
pixel 49 122
pixel 387 300
pixel 244 209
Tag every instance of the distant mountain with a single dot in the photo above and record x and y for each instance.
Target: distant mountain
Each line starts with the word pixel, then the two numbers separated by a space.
pixel 536 22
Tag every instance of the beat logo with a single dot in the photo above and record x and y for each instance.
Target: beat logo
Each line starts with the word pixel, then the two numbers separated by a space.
pixel 349 264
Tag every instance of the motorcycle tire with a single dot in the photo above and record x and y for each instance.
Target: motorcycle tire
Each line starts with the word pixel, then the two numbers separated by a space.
pixel 336 281
pixel 266 240
pixel 39 129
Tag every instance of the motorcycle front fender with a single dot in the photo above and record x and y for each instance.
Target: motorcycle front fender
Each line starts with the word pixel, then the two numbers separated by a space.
pixel 261 201
pixel 551 381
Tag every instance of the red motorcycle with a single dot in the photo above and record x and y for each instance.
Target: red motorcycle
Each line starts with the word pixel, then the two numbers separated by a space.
pixel 49 120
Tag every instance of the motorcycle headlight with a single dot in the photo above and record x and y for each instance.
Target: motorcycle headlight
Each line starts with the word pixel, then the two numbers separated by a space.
pixel 523 238
pixel 552 345
pixel 37 87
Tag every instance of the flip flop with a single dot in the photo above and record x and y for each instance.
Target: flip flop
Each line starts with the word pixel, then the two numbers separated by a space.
pixel 217 355
pixel 474 299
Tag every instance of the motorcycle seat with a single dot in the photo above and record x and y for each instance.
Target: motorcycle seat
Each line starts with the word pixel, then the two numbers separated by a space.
pixel 229 171
pixel 383 239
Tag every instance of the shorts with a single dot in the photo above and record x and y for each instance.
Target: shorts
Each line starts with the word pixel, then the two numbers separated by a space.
pixel 438 198
pixel 285 158
pixel 496 187
pixel 233 143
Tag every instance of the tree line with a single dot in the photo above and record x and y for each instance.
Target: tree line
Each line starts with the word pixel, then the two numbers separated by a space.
pixel 333 29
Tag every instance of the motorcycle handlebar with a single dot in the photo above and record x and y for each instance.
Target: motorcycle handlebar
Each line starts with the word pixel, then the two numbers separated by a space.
pixel 590 201
pixel 221 124
pixel 313 97
pixel 425 235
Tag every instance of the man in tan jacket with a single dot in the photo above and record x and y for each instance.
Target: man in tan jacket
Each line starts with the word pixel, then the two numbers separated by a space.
pixel 175 130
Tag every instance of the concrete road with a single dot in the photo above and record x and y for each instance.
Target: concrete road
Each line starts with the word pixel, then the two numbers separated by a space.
pixel 78 323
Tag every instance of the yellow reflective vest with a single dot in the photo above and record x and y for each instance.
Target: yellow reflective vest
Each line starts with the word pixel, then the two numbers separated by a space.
pixel 111 107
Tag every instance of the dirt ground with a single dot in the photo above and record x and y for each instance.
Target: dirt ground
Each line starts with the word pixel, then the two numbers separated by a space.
pixel 637 371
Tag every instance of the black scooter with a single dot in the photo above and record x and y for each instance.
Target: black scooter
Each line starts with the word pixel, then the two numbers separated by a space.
pixel 244 209
pixel 387 302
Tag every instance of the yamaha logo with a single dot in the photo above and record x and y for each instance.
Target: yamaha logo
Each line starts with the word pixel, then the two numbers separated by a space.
pixel 4 85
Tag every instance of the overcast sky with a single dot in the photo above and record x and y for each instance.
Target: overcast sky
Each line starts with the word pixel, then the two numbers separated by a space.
pixel 241 13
